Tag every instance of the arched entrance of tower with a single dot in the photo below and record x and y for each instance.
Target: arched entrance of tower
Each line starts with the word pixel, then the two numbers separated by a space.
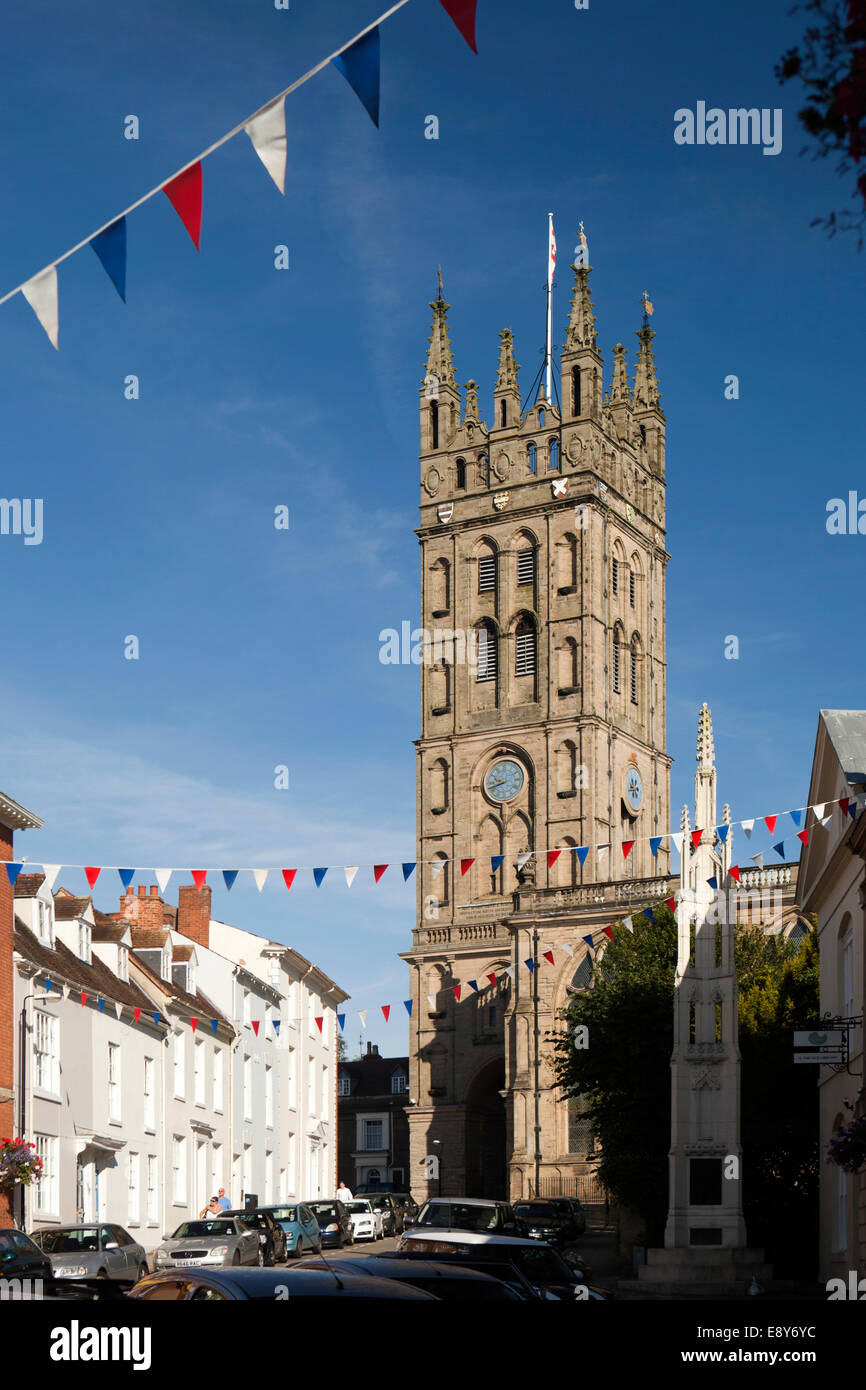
pixel 485 1132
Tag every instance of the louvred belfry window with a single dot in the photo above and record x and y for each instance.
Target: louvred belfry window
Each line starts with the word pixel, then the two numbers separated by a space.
pixel 616 662
pixel 526 566
pixel 614 574
pixel 524 657
pixel 486 574
pixel 486 655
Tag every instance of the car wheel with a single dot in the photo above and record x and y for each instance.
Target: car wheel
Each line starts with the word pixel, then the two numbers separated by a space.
pixel 236 1257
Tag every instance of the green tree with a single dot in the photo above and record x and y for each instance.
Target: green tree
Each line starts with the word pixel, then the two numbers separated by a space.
pixel 622 1078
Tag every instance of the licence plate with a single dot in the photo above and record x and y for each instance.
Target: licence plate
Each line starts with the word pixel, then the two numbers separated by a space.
pixel 187 1262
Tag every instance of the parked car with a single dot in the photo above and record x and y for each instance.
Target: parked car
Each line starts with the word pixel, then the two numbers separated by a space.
pixel 391 1211
pixel 543 1266
pixel 213 1241
pixel 275 1285
pixel 409 1205
pixel 544 1219
pixel 450 1283
pixel 368 1222
pixel 468 1214
pixel 335 1226
pixel 98 1251
pixel 578 1211
pixel 272 1237
pixel 300 1226
pixel 21 1257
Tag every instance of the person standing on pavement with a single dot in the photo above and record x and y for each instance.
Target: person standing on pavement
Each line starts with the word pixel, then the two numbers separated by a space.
pixel 343 1193
pixel 225 1204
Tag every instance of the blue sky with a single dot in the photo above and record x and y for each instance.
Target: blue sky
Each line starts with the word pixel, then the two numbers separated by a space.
pixel 261 387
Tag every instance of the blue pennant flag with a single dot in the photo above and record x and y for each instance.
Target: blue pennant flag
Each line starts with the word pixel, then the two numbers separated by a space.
pixel 589 942
pixel 214 1024
pixel 100 1004
pixel 529 964
pixel 496 862
pixel 473 984
pixel 713 882
pixel 655 841
pixel 582 851
pixel 852 809
pixel 276 1023
pixel 407 1005
pixel 780 849
pixel 126 876
pixel 649 914
pixel 722 832
pixel 110 247
pixel 341 1019
pixel 318 875
pixel 49 985
pixel 229 875
pixel 408 870
pixel 13 870
pixel 359 64
pixel 156 1017
pixel 796 817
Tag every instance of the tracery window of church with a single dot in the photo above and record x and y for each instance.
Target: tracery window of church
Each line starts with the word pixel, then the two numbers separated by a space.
pixel 524 648
pixel 461 474
pixel 530 451
pixel 526 565
pixel 553 454
pixel 579 1127
pixel 487 667
pixel 583 974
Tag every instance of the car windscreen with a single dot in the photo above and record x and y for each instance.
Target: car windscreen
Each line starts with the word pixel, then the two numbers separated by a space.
pixel 537 1211
pixel 541 1265
pixel 325 1209
pixel 460 1216
pixel 359 1206
pixel 69 1242
pixel 199 1229
pixel 284 1213
pixel 379 1203
pixel 252 1219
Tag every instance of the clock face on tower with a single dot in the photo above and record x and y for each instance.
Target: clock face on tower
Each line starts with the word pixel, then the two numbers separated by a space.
pixel 633 790
pixel 504 780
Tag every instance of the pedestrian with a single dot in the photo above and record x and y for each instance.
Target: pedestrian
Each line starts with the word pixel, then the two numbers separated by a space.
pixel 343 1193
pixel 225 1204
pixel 213 1208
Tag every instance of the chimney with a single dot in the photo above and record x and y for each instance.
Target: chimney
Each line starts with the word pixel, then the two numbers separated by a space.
pixel 193 912
pixel 142 909
pixel 372 1049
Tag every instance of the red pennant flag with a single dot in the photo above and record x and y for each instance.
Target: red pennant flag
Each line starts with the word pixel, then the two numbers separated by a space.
pixel 289 876
pixel 843 802
pixel 255 1023
pixel 492 978
pixel 696 838
pixel 184 194
pixel 552 856
pixel 548 955
pixel 198 877
pixel 770 823
pixel 92 875
pixel 456 990
pixel 386 1009
pixel 627 847
pixel 734 871
pixel 319 1022
pixel 804 836
pixel 465 866
pixel 464 14
pixel 136 1014
pixel 193 1023
pixel 84 998
pixel 671 903
pixel 608 932
pixel 378 870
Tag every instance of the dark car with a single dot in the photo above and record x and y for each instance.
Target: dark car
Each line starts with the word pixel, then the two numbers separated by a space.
pixel 450 1283
pixel 21 1258
pixel 275 1285
pixel 272 1237
pixel 577 1211
pixel 393 1212
pixel 469 1214
pixel 409 1205
pixel 537 1261
pixel 545 1219
pixel 335 1223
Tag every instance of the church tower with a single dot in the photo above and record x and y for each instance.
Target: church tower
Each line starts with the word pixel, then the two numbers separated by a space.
pixel 542 701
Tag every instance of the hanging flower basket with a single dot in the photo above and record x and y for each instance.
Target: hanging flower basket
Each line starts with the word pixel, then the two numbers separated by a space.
pixel 18 1163
pixel 847 1148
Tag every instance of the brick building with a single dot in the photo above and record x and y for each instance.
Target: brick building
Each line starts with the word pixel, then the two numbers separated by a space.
pixel 373 1127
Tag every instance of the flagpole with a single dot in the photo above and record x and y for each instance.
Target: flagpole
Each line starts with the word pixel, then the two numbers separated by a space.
pixel 549 305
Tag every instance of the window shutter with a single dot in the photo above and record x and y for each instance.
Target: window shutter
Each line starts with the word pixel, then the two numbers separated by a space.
pixel 526 566
pixel 486 655
pixel 486 573
pixel 615 576
pixel 524 664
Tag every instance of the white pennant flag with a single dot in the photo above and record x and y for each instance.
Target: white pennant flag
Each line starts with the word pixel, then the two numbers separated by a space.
pixel 261 877
pixel 350 871
pixel 819 811
pixel 162 876
pixel 523 858
pixel 568 948
pixel 267 131
pixel 118 1009
pixel 41 295
pixel 601 850
pixel 627 923
pixel 431 1000
pixel 509 971
pixel 362 1014
pixel 437 866
pixel 826 822
pixel 51 871
pixel 678 841
pixel 759 860
pixel 748 826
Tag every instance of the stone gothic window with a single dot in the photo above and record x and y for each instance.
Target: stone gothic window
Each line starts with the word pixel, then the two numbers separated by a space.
pixel 614 575
pixel 487 656
pixel 617 640
pixel 439 785
pixel 567 562
pixel 583 974
pixel 526 565
pixel 579 1128
pixel 461 474
pixel 634 661
pixel 524 648
pixel 575 390
pixel 553 454
pixel 531 457
pixel 503 413
pixel 541 418
pixel 434 424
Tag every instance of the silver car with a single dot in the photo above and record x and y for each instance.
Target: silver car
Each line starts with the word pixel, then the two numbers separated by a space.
pixel 212 1242
pixel 96 1251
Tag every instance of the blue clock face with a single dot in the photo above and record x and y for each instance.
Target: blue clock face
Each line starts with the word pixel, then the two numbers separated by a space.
pixel 504 780
pixel 633 790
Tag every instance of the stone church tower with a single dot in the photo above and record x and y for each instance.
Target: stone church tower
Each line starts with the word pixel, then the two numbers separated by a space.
pixel 542 729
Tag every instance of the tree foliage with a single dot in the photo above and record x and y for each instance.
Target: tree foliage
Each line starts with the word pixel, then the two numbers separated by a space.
pixel 623 1079
pixel 830 61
